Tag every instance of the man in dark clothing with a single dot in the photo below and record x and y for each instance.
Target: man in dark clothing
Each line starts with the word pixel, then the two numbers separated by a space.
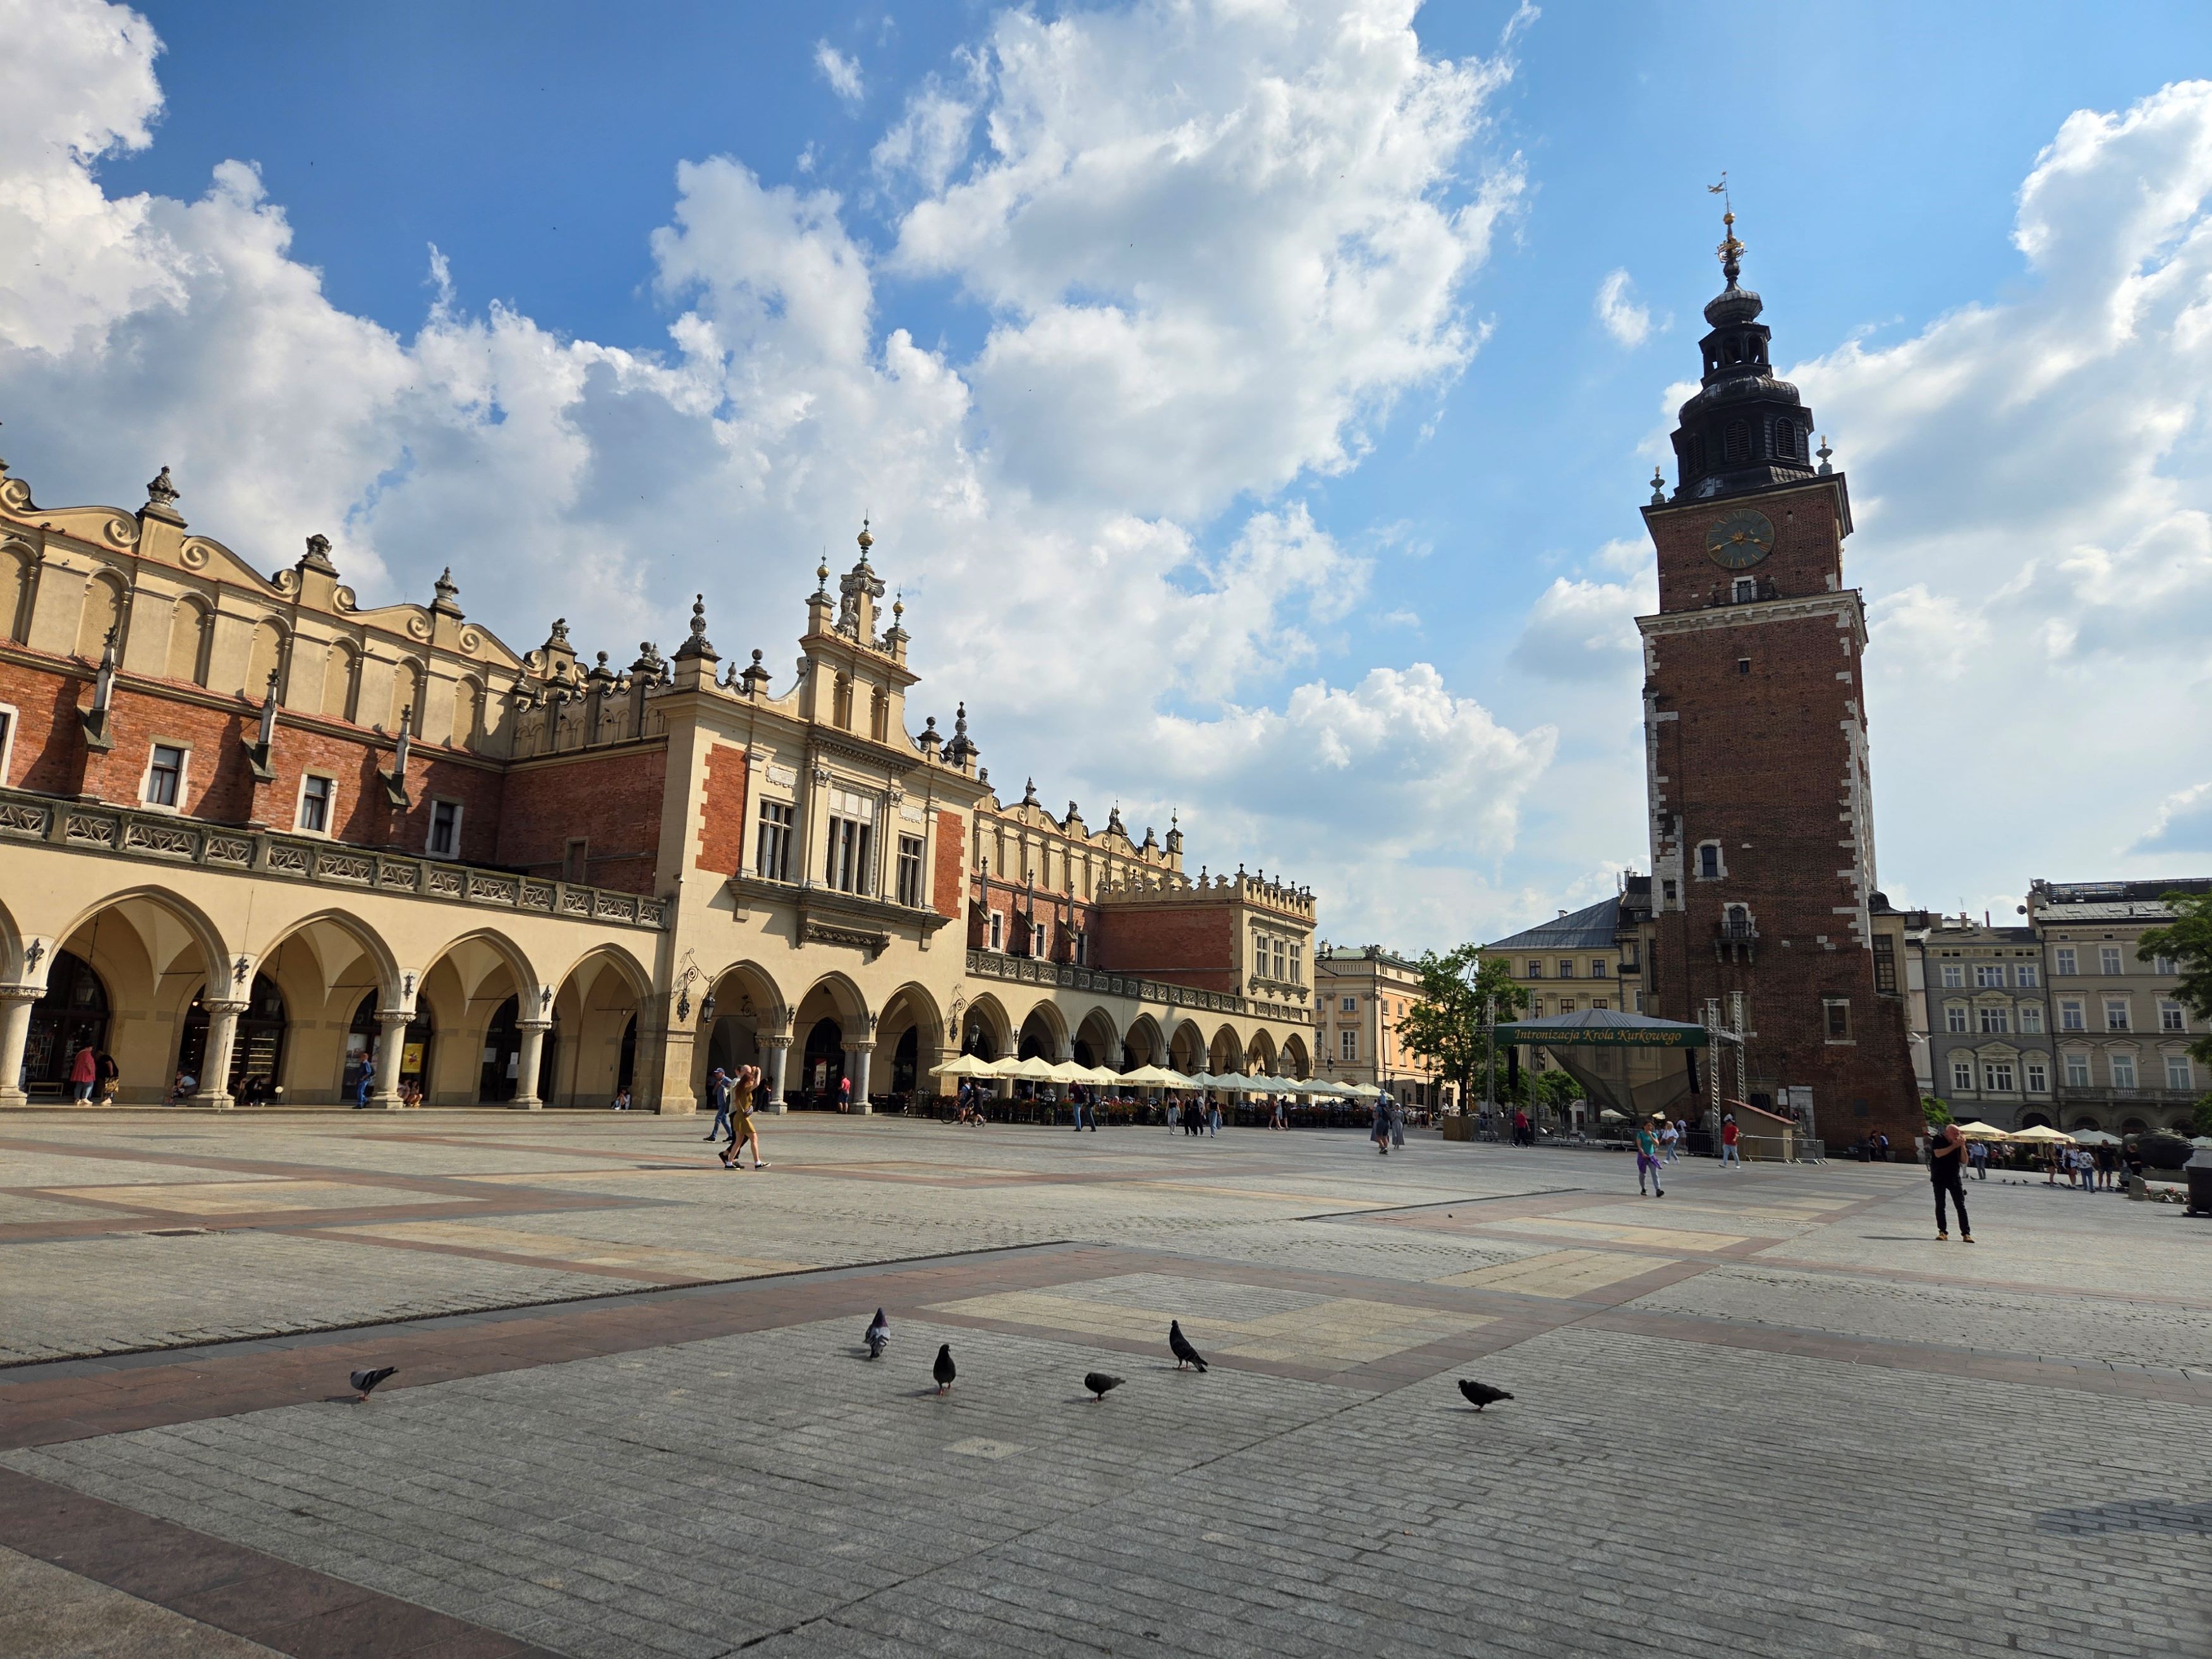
pixel 1947 1156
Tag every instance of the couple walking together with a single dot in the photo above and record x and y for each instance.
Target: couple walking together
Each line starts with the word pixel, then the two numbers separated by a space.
pixel 734 1111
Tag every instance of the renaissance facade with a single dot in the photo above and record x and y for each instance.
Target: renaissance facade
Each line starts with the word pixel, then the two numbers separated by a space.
pixel 253 832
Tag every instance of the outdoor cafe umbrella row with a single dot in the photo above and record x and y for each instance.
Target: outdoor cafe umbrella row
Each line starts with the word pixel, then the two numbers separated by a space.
pixel 1037 1069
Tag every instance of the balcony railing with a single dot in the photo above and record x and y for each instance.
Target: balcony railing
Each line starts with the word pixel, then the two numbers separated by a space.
pixel 165 838
pixel 1032 971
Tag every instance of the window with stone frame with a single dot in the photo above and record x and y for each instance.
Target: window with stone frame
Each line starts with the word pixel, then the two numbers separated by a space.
pixel 1836 1015
pixel 909 871
pixel 1598 969
pixel 1566 967
pixel 2028 975
pixel 2039 1078
pixel 2108 958
pixel 1995 1020
pixel 1996 1076
pixel 2178 1073
pixel 1962 1075
pixel 2123 1069
pixel 2072 1016
pixel 2117 1015
pixel 2171 1017
pixel 2077 1071
pixel 1709 860
pixel 1954 976
pixel 1347 1044
pixel 2063 960
pixel 1989 976
pixel 2030 1018
pixel 1955 1017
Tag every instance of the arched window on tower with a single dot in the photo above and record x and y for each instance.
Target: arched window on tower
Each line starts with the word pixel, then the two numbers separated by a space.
pixel 1736 443
pixel 1785 439
pixel 1697 456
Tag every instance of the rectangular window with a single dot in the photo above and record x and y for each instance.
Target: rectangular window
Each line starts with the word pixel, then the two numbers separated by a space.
pixel 1282 961
pixel 1995 1020
pixel 2077 1071
pixel 909 871
pixel 1954 1016
pixel 1566 1004
pixel 7 736
pixel 1535 969
pixel 164 777
pixel 1954 976
pixel 1082 950
pixel 1597 968
pixel 2070 1017
pixel 1667 891
pixel 2064 964
pixel 2163 966
pixel 445 830
pixel 1709 861
pixel 2123 1071
pixel 2108 958
pixel 1297 966
pixel 2039 1078
pixel 1566 968
pixel 1838 1019
pixel 1996 1076
pixel 2030 1018
pixel 1884 964
pixel 1962 1075
pixel 1600 1003
pixel 998 930
pixel 1989 976
pixel 2028 975
pixel 774 849
pixel 2170 1017
pixel 1348 1045
pixel 576 860
pixel 315 804
pixel 1350 1005
pixel 851 844
pixel 2178 1073
pixel 1040 940
pixel 2116 1014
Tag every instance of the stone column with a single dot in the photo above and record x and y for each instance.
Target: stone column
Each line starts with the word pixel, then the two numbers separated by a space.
pixel 778 1049
pixel 669 1069
pixel 860 1053
pixel 15 1002
pixel 215 1063
pixel 391 1046
pixel 525 1068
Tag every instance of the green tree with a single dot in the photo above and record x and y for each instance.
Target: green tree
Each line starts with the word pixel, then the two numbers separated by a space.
pixel 2187 940
pixel 1550 1090
pixel 1934 1111
pixel 1449 1024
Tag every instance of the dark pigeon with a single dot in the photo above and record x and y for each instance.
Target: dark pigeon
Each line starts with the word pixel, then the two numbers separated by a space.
pixel 1179 1345
pixel 1480 1394
pixel 364 1382
pixel 878 1336
pixel 1100 1385
pixel 943 1370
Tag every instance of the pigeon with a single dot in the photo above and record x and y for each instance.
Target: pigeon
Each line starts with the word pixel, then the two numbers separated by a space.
pixel 943 1370
pixel 1480 1394
pixel 1100 1385
pixel 363 1381
pixel 1179 1345
pixel 878 1336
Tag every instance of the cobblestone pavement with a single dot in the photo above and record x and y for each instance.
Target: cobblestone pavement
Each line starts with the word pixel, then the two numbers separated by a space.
pixel 1767 1414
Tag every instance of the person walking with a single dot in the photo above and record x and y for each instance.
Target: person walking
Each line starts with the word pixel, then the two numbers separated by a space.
pixel 1381 1133
pixel 1730 1135
pixel 739 1094
pixel 1946 1155
pixel 368 1076
pixel 1213 1118
pixel 1670 1141
pixel 84 1072
pixel 718 1092
pixel 1647 1157
pixel 1978 1154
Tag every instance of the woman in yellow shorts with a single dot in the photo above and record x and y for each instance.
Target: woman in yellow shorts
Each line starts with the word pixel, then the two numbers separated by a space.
pixel 741 1119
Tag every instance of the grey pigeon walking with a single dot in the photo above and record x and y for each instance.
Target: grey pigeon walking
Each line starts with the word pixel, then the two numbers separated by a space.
pixel 1480 1394
pixel 943 1370
pixel 364 1382
pixel 1179 1345
pixel 878 1336
pixel 1100 1385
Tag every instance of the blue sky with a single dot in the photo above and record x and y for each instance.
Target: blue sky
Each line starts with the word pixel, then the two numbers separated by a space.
pixel 1361 613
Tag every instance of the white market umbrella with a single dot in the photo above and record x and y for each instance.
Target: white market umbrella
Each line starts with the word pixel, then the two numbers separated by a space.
pixel 2095 1137
pixel 1982 1131
pixel 964 1066
pixel 2044 1133
pixel 1036 1069
pixel 1154 1076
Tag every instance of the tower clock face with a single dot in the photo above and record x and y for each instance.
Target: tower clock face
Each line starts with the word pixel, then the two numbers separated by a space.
pixel 1739 540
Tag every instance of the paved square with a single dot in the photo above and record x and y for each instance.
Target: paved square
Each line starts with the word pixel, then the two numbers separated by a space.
pixel 1766 1414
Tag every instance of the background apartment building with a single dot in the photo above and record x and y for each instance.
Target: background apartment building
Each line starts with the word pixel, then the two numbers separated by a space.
pixel 1360 992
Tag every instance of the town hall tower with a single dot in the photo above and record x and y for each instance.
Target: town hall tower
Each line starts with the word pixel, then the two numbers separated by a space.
pixel 1760 814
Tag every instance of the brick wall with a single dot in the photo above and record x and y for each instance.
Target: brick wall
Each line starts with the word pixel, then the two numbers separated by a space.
pixel 1807 556
pixel 1193 944
pixel 949 877
pixel 49 744
pixel 611 800
pixel 722 817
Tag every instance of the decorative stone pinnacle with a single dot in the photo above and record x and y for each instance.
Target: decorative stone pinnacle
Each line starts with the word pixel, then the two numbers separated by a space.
pixel 560 634
pixel 161 492
pixel 447 594
pixel 696 647
pixel 1824 452
pixel 1658 487
pixel 866 540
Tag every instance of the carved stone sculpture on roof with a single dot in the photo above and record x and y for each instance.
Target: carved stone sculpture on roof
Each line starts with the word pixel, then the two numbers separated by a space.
pixel 696 646
pixel 447 594
pixel 858 589
pixel 318 556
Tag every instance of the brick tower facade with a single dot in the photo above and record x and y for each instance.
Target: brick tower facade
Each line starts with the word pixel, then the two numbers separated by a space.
pixel 1755 741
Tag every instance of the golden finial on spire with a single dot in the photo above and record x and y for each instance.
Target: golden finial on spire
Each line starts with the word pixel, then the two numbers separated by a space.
pixel 1731 251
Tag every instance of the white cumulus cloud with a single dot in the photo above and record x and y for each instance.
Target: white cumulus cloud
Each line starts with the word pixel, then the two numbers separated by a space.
pixel 1617 309
pixel 841 69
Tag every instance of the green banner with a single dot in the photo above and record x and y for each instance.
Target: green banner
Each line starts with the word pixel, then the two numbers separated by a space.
pixel 1603 1036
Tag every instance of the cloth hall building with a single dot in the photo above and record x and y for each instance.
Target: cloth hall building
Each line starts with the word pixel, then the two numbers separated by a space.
pixel 253 831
